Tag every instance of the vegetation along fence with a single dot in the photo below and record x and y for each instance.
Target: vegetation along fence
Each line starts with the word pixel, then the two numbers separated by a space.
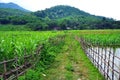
pixel 104 58
pixel 13 68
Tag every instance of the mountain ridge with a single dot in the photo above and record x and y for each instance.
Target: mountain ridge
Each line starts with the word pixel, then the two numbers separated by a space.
pixel 61 17
pixel 60 11
pixel 13 6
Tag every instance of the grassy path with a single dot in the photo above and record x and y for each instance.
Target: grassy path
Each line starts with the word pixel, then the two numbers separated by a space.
pixel 72 64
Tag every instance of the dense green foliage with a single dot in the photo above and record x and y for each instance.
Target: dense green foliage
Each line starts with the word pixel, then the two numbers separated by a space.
pixel 66 17
pixel 7 12
pixel 16 17
pixel 61 11
pixel 56 18
pixel 18 43
pixel 50 50
pixel 10 27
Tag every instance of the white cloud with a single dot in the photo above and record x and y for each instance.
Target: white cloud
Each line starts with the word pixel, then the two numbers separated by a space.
pixel 108 8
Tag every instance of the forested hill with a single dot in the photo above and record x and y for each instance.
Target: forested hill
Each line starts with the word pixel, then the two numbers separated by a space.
pixel 7 12
pixel 67 17
pixel 60 11
pixel 12 6
pixel 58 17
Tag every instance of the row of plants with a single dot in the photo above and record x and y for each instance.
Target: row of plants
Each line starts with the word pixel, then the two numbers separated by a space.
pixel 108 38
pixel 21 43
pixel 105 40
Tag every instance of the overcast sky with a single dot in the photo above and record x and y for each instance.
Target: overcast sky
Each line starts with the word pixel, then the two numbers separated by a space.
pixel 107 8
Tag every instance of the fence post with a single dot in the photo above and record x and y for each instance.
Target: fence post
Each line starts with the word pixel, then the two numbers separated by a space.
pixel 16 66
pixel 105 56
pixel 98 56
pixel 108 63
pixel 24 57
pixel 119 75
pixel 84 43
pixel 96 53
pixel 113 64
pixel 101 58
pixel 5 70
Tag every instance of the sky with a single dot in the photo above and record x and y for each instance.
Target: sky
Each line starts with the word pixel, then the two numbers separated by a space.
pixel 107 8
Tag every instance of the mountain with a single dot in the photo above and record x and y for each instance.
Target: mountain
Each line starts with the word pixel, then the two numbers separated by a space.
pixel 8 10
pixel 11 13
pixel 67 17
pixel 60 17
pixel 61 11
pixel 12 6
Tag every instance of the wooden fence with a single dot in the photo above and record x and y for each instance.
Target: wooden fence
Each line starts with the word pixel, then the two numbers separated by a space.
pixel 13 68
pixel 103 58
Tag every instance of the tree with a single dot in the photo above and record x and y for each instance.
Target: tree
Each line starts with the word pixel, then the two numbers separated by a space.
pixel 4 21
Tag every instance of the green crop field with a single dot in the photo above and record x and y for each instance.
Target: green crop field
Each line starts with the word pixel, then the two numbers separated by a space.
pixel 18 43
pixel 62 51
pixel 104 38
